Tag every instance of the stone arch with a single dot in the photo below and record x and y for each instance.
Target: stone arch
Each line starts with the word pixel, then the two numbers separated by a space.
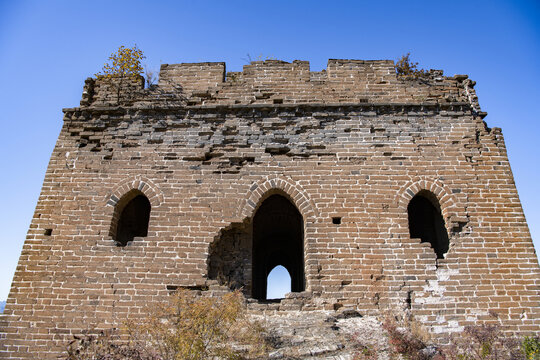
pixel 264 188
pixel 139 190
pixel 299 198
pixel 453 214
pixel 142 184
pixel 230 255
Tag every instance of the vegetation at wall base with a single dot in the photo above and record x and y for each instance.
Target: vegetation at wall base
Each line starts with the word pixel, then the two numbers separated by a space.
pixel 480 342
pixel 187 326
pixel 531 347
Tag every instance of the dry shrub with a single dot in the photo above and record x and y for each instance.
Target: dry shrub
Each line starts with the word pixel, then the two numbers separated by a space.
pixel 406 69
pixel 192 327
pixel 484 342
pixel 405 342
pixel 151 77
pixel 187 327
pixel 366 352
pixel 480 342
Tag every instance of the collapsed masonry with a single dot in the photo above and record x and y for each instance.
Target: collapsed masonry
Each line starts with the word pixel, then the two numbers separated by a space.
pixel 378 194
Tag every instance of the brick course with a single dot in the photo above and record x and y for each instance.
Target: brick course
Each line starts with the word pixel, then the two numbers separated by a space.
pixel 207 147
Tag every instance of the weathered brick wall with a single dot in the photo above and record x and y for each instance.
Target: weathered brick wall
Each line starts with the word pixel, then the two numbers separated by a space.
pixel 353 141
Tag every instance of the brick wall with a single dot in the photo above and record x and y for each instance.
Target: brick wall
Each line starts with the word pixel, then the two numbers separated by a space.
pixel 352 142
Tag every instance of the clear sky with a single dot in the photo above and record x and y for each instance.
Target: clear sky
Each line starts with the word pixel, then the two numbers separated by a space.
pixel 48 48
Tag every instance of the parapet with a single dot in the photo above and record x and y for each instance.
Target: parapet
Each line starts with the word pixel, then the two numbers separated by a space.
pixel 280 82
pixel 192 76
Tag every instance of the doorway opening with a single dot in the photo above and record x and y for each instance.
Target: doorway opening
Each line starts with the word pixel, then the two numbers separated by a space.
pixel 278 239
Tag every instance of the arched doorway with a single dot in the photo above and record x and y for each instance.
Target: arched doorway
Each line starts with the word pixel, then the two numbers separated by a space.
pixel 427 223
pixel 278 239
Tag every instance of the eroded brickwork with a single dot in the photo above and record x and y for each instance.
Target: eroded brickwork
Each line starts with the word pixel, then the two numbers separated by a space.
pixel 349 147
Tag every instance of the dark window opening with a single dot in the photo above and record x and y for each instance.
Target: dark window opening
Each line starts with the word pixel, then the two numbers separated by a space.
pixel 278 283
pixel 336 220
pixel 133 221
pixel 48 232
pixel 278 239
pixel 427 223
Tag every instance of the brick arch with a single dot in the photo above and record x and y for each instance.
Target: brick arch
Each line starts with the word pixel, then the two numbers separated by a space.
pixel 264 188
pixel 139 183
pixel 452 213
pixel 282 185
pixel 123 192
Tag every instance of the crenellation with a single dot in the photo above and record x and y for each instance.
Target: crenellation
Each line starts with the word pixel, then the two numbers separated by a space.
pixel 192 78
pixel 280 82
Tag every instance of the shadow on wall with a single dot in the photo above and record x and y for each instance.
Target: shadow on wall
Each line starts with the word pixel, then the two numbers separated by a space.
pixel 244 254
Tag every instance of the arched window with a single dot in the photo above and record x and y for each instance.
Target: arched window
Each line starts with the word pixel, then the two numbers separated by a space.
pixel 427 223
pixel 278 239
pixel 278 283
pixel 133 218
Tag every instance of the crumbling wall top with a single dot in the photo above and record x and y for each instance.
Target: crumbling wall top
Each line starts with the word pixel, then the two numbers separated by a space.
pixel 280 82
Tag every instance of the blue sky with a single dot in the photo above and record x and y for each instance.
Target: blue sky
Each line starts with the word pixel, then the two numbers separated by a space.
pixel 48 48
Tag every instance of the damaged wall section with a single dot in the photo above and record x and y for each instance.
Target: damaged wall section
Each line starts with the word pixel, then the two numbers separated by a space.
pixel 229 260
pixel 243 254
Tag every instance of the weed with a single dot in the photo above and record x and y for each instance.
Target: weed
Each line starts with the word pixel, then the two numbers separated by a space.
pixel 188 327
pixel 531 347
pixel 405 69
pixel 484 342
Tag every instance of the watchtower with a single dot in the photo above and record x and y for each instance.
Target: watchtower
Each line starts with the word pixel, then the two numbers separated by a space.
pixel 376 192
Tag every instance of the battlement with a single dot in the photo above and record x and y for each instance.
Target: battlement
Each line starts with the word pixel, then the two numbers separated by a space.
pixel 192 76
pixel 280 82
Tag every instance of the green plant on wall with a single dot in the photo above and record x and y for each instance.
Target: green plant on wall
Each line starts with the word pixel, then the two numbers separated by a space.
pixel 531 347
pixel 122 65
